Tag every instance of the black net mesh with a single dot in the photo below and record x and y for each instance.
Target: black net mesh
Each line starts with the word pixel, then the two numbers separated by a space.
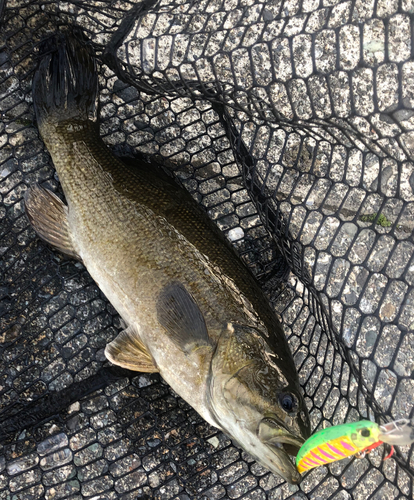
pixel 292 123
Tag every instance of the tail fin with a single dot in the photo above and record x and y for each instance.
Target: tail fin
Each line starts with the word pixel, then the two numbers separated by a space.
pixel 65 85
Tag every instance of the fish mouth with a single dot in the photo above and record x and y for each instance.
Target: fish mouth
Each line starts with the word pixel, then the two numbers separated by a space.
pixel 282 448
pixel 279 443
pixel 289 448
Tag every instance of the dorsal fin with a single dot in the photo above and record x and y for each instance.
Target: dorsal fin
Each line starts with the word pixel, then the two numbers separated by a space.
pixel 179 314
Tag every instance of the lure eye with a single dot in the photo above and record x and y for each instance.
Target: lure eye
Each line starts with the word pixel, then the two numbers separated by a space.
pixel 288 402
pixel 365 433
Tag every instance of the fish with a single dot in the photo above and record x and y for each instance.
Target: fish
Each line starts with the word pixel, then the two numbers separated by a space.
pixel 193 310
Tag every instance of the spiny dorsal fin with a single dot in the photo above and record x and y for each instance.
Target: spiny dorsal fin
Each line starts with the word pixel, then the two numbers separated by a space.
pixel 179 314
pixel 49 217
pixel 128 351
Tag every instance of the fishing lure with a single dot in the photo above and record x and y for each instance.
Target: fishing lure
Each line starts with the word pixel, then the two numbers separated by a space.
pixel 341 441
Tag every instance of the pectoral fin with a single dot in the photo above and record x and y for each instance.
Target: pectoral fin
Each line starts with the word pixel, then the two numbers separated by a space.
pixel 179 314
pixel 128 351
pixel 49 217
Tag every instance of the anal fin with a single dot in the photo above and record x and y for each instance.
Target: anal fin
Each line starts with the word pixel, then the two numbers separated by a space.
pixel 49 217
pixel 128 351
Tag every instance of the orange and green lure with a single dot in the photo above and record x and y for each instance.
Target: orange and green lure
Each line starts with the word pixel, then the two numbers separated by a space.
pixel 341 441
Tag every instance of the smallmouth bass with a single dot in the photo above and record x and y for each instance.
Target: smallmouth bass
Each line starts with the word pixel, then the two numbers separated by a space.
pixel 194 313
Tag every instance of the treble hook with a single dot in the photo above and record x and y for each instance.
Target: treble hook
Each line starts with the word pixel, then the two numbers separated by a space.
pixel 399 432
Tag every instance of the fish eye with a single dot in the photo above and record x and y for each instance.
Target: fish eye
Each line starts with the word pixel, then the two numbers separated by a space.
pixel 365 432
pixel 288 402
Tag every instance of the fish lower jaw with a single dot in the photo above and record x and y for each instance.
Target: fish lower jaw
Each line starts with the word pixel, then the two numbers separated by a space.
pixel 277 460
pixel 280 464
pixel 274 457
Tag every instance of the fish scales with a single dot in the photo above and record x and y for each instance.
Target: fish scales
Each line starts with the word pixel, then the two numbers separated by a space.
pixel 115 210
pixel 193 310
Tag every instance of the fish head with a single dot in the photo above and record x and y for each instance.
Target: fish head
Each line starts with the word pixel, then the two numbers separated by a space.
pixel 257 400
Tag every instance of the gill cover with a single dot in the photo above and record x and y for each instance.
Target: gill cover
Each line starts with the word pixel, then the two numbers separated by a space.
pixel 243 371
pixel 248 381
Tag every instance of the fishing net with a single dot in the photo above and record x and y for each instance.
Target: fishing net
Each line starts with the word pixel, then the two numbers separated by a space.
pixel 291 122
